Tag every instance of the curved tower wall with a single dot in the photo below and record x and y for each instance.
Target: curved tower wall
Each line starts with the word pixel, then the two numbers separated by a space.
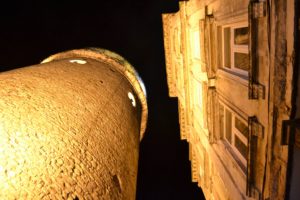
pixel 70 128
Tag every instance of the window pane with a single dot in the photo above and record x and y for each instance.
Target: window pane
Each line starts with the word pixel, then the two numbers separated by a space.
pixel 241 147
pixel 221 120
pixel 227 49
pixel 241 61
pixel 176 41
pixel 199 94
pixel 204 102
pixel 220 46
pixel 241 36
pixel 228 125
pixel 196 44
pixel 243 128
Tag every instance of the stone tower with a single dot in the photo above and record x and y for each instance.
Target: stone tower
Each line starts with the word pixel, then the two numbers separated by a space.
pixel 70 128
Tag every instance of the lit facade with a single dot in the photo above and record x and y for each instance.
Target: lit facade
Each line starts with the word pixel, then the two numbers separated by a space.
pixel 232 66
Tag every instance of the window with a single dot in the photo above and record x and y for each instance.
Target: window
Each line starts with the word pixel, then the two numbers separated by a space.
pixel 177 42
pixel 198 100
pixel 234 131
pixel 228 127
pixel 196 44
pixel 235 41
pixel 197 94
pixel 240 132
pixel 221 119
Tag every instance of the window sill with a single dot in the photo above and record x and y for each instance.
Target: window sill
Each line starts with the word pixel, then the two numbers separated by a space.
pixel 231 166
pixel 225 153
pixel 232 75
pixel 235 157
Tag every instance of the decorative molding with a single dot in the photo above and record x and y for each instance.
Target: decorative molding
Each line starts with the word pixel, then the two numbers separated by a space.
pixel 182 122
pixel 168 57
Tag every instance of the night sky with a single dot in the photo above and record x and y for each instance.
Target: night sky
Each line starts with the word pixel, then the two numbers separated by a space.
pixel 32 30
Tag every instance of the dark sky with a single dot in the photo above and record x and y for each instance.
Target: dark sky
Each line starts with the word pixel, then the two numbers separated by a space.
pixel 32 30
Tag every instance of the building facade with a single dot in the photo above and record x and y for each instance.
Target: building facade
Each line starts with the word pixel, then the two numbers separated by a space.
pixel 232 66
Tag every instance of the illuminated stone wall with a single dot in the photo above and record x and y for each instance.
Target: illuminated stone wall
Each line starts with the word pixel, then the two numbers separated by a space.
pixel 230 64
pixel 70 128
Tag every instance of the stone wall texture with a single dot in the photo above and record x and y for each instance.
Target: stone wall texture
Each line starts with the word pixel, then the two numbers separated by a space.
pixel 69 130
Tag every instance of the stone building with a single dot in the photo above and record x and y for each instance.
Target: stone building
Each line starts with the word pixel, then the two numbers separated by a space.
pixel 233 66
pixel 70 128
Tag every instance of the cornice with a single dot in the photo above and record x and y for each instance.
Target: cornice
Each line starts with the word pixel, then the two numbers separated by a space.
pixel 168 57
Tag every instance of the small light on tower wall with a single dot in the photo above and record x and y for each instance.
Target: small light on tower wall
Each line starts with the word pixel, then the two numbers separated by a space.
pixel 78 61
pixel 131 97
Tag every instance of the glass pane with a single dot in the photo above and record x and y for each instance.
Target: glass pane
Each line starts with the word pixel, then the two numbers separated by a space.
pixel 243 128
pixel 241 61
pixel 196 44
pixel 227 49
pixel 219 55
pixel 241 147
pixel 199 94
pixel 221 120
pixel 241 36
pixel 176 40
pixel 228 125
pixel 204 102
pixel 212 42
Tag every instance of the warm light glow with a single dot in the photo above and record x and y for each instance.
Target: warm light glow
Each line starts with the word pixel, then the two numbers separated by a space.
pixel 196 44
pixel 131 97
pixel 78 61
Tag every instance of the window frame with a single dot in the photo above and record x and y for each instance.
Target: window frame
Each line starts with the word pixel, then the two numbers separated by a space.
pixel 240 135
pixel 196 44
pixel 177 42
pixel 199 101
pixel 234 132
pixel 234 48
